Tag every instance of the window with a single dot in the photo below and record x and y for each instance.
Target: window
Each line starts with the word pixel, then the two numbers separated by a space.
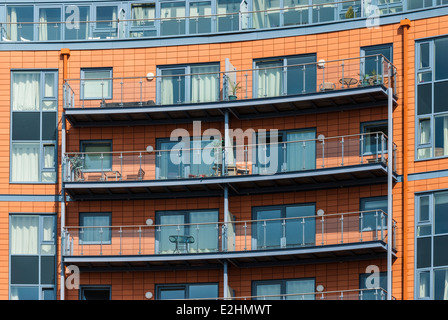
pixel 372 143
pixel 368 291
pixel 187 291
pixel 266 15
pixel 371 65
pixel 96 83
pixel 33 126
pixel 189 84
pixel 95 293
pixel 143 24
pixel 272 231
pixel 90 235
pixel 432 110
pixel 74 29
pixel 298 152
pixel 374 218
pixel 293 289
pixel 49 27
pixel 285 76
pixel 228 15
pixel 187 231
pixel 106 26
pixel 431 243
pixel 172 14
pixel 19 27
pixel 200 17
pixel 32 257
pixel 97 155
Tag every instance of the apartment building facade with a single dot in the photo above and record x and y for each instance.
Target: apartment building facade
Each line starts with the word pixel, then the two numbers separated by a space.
pixel 224 150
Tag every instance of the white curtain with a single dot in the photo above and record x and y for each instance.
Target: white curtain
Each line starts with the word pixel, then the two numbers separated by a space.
pixel 300 155
pixel 445 293
pixel 43 27
pixel 269 80
pixel 205 235
pixel 425 134
pixel 24 234
pixel 445 136
pixel 12 27
pixel 268 290
pixel 143 14
pixel 167 90
pixel 204 87
pixel 96 234
pixel 26 91
pixel 25 162
pixel 300 286
pixel 424 284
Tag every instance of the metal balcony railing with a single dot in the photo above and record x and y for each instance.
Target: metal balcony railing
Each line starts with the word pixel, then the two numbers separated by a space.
pixel 208 159
pixel 218 86
pixel 233 236
pixel 353 294
pixel 227 19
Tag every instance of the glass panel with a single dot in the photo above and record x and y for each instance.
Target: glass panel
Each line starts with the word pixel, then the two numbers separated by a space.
pixel 173 86
pixel 173 18
pixel 270 79
pixel 441 213
pixel 75 30
pixel 49 27
pixel 26 126
pixel 440 284
pixel 49 126
pixel 25 162
pixel 200 17
pixel 372 142
pixel 424 98
pixel 48 270
pixel 48 177
pixel 48 229
pixel 199 291
pixel 424 252
pixel 99 86
pixel 24 234
pixel 441 136
pixel 424 285
pixel 440 256
pixel 270 154
pixel 169 163
pixel 323 11
pixel 375 219
pixel 49 89
pixel 367 281
pixel 205 83
pixel 300 231
pixel 143 14
pixel 24 293
pixel 95 235
pixel 228 17
pixel 49 105
pixel 25 91
pixel 271 291
pixel 424 77
pixel 424 230
pixel 301 78
pixel 18 29
pixel 267 14
pixel 100 159
pixel 424 208
pixel 205 159
pixel 95 294
pixel 300 286
pixel 205 235
pixel 293 15
pixel 424 54
pixel 106 14
pixel 170 294
pixel 24 269
pixel 441 62
pixel 440 89
pixel 269 233
pixel 49 156
pixel 425 131
pixel 49 294
pixel 171 225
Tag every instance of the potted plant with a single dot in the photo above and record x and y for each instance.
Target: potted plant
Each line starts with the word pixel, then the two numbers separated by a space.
pixel 350 13
pixel 234 86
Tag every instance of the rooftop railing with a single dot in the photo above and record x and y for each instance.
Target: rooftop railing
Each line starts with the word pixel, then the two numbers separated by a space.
pixel 234 236
pixel 227 19
pixel 209 158
pixel 175 87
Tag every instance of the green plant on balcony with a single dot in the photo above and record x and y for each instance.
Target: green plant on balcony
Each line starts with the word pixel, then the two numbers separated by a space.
pixel 350 13
pixel 76 164
pixel 234 87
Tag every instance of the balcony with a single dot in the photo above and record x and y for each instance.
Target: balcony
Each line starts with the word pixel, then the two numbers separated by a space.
pixel 299 240
pixel 203 168
pixel 263 92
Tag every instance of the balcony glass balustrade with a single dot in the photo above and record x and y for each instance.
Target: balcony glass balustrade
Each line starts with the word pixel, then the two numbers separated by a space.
pixel 288 233
pixel 181 18
pixel 209 159
pixel 173 87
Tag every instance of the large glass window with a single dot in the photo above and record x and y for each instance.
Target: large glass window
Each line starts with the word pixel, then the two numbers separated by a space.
pixel 95 227
pixel 187 291
pixel 106 26
pixel 32 257
pixel 200 18
pixel 288 289
pixel 97 155
pixel 77 26
pixel 96 83
pixel 172 14
pixel 372 143
pixel 284 76
pixel 184 84
pixel 368 288
pixel 228 15
pixel 372 67
pixel 431 107
pixel 50 25
pixel 374 213
pixel 143 23
pixel 187 231
pixel 431 243
pixel 19 27
pixel 283 226
pixel 33 126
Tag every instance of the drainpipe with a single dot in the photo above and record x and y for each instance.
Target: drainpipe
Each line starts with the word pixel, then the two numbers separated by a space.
pixel 389 192
pixel 226 213
pixel 65 53
pixel 405 24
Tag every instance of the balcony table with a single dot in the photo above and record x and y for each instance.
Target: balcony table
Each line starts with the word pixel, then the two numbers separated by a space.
pixel 181 240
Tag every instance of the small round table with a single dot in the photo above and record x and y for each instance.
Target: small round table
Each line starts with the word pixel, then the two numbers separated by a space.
pixel 348 81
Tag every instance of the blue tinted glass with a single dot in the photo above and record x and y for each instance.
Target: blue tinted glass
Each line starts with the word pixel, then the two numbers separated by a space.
pixel 203 291
pixel 165 294
pixel 24 293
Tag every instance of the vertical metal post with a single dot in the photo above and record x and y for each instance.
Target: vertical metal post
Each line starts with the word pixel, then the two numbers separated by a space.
pixel 226 214
pixel 389 193
pixel 63 150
